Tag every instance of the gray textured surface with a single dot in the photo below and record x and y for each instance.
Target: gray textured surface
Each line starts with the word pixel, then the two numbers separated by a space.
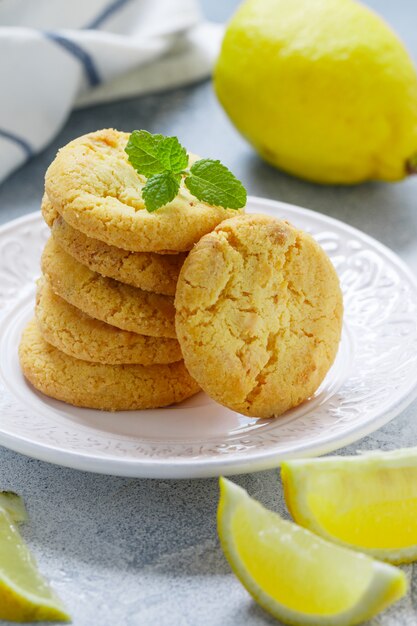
pixel 145 552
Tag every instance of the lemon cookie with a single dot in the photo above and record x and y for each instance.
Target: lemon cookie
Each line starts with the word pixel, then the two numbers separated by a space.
pixel 79 335
pixel 259 315
pixel 96 190
pixel 105 299
pixel 99 386
pixel 146 270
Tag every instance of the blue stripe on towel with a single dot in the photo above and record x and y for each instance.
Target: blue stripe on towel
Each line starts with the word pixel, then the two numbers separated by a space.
pixel 107 12
pixel 22 143
pixel 79 53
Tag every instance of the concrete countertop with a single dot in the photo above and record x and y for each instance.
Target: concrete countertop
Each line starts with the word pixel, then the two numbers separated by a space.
pixel 145 552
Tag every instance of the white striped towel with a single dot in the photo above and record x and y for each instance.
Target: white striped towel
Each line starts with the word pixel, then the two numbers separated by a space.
pixel 56 54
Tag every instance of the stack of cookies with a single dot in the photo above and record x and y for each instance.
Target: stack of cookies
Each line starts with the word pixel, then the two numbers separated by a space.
pixel 104 330
pixel 139 309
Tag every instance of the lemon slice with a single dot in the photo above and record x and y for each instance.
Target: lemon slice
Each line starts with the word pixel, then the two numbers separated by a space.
pixel 24 594
pixel 367 502
pixel 295 575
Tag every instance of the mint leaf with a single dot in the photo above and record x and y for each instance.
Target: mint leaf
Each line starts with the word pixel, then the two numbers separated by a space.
pixel 172 155
pixel 153 154
pixel 142 150
pixel 163 161
pixel 160 189
pixel 212 182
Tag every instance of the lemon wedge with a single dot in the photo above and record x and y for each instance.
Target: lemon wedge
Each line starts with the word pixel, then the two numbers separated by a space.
pixel 295 575
pixel 367 502
pixel 24 594
pixel 14 506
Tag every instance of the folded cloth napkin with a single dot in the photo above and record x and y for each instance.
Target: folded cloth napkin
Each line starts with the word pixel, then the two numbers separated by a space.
pixel 56 54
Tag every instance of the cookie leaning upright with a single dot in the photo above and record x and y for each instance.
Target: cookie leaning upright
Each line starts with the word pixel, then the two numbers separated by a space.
pixel 258 315
pixel 92 184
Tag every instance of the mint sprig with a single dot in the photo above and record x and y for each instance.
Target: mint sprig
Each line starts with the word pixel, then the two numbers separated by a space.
pixel 163 161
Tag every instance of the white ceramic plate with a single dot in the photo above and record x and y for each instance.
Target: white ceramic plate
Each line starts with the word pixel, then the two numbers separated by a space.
pixel 373 379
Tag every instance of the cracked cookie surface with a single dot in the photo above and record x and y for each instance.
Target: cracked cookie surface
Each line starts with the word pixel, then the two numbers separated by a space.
pixel 258 315
pixel 97 191
pixel 99 386
pixel 105 299
pixel 79 335
pixel 146 270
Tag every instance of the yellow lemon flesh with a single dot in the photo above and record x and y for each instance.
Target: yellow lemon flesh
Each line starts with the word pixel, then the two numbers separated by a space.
pixel 367 502
pixel 295 575
pixel 324 90
pixel 24 594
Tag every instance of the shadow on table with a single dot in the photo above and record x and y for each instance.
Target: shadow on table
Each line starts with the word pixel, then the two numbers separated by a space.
pixel 115 521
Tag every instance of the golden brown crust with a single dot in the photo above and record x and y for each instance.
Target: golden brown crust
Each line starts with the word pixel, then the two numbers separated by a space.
pixel 105 299
pixel 99 386
pixel 79 335
pixel 259 315
pixel 146 270
pixel 93 186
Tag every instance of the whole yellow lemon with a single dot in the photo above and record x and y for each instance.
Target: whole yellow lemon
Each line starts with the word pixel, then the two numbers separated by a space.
pixel 322 89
